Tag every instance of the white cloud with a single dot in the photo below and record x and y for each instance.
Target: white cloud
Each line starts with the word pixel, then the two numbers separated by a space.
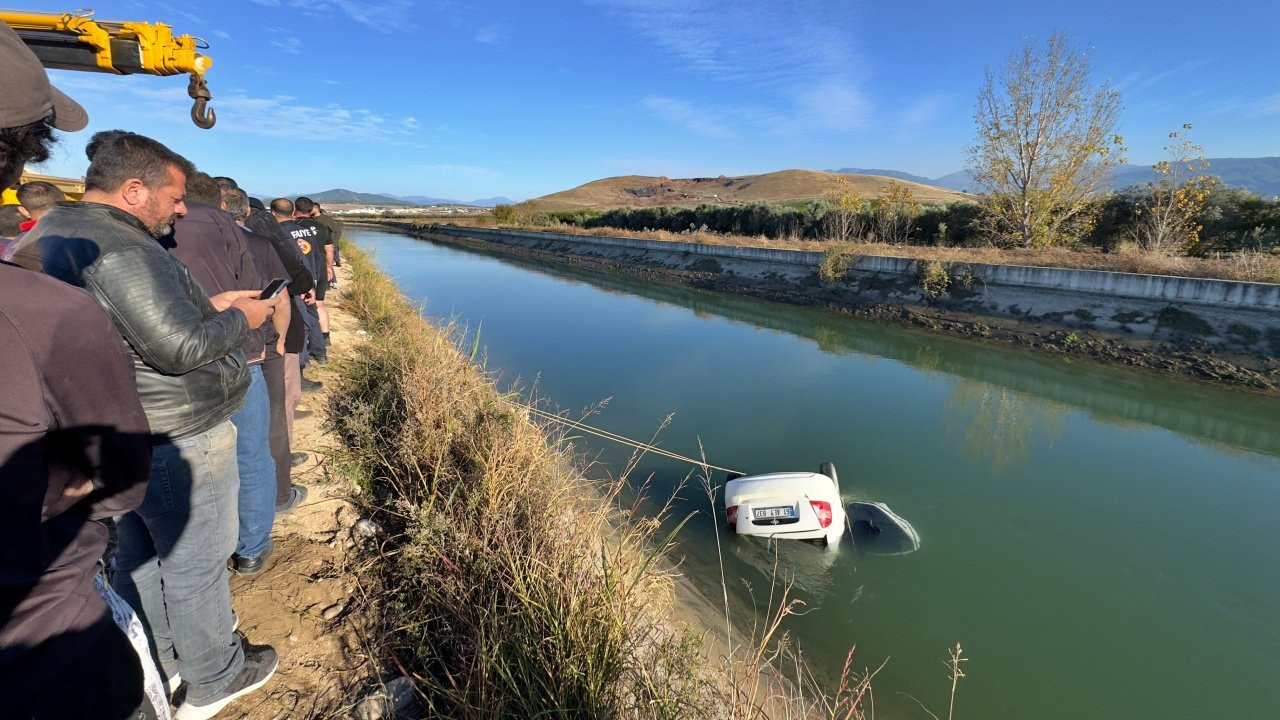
pixel 922 112
pixel 685 115
pixel 289 44
pixel 489 35
pixel 832 103
pixel 1266 107
pixel 799 51
pixel 277 116
pixel 221 34
pixel 1144 79
pixel 381 15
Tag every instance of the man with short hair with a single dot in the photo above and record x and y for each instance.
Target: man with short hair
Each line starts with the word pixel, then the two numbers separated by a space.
pixel 216 252
pixel 316 243
pixel 335 255
pixel 10 225
pixel 296 342
pixel 171 563
pixel 37 198
pixel 285 494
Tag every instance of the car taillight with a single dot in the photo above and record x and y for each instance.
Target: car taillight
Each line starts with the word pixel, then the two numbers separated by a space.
pixel 823 510
pixel 731 516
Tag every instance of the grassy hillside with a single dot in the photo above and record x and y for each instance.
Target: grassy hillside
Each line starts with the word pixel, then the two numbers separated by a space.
pixel 786 186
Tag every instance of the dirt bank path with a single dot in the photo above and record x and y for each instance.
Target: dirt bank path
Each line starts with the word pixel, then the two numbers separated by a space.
pixel 300 603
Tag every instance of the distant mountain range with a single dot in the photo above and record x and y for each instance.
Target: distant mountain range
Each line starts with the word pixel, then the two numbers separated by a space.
pixel 1260 175
pixel 340 196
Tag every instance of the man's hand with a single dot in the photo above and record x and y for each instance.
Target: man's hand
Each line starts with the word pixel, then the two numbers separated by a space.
pixel 309 297
pixel 224 300
pixel 255 311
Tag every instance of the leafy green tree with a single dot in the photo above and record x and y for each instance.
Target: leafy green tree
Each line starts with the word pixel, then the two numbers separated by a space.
pixel 504 214
pixel 1045 143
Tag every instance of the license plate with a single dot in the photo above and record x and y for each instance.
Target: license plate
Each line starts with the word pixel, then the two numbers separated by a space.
pixel 774 512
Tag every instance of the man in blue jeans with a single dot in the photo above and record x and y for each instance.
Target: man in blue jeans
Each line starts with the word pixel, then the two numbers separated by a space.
pixel 216 252
pixel 171 564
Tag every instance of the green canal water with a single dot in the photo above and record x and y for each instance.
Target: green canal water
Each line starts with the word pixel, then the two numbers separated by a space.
pixel 1102 543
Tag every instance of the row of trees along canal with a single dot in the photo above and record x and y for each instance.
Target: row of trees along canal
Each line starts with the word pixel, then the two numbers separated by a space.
pixel 1044 149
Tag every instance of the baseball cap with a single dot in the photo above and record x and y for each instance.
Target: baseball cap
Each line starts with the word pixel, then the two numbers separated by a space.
pixel 28 96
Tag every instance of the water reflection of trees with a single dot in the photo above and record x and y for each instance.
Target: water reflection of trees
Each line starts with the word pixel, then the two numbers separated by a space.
pixel 999 423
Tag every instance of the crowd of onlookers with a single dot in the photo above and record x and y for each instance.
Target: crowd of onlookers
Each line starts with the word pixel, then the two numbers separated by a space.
pixel 153 337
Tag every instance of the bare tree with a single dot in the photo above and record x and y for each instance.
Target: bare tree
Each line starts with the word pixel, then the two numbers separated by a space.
pixel 843 221
pixel 1167 218
pixel 895 213
pixel 1044 143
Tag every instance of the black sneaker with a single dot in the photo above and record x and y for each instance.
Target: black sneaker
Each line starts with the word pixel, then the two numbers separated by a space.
pixel 252 565
pixel 297 459
pixel 309 385
pixel 260 662
pixel 297 494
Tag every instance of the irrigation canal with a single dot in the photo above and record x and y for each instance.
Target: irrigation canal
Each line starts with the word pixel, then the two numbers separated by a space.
pixel 1103 543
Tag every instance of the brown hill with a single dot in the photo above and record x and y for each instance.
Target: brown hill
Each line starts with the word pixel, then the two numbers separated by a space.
pixel 785 186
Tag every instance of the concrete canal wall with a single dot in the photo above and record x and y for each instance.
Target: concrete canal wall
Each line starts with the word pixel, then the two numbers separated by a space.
pixel 1228 315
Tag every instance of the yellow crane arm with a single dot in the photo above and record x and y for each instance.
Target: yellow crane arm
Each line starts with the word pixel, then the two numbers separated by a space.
pixel 75 41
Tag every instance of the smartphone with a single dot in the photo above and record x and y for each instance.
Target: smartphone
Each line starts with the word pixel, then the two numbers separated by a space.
pixel 273 288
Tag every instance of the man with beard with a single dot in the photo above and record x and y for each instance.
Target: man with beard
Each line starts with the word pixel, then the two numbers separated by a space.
pixel 171 564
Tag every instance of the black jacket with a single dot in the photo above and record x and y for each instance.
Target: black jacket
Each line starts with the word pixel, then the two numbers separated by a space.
pixel 269 267
pixel 300 281
pixel 210 244
pixel 186 356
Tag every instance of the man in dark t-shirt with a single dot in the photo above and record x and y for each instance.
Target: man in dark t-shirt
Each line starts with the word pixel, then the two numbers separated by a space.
pixel 314 240
pixel 335 228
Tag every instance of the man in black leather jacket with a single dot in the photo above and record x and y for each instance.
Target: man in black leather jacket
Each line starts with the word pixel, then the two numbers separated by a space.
pixel 171 564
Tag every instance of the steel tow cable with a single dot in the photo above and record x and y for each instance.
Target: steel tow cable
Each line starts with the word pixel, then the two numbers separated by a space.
pixel 620 439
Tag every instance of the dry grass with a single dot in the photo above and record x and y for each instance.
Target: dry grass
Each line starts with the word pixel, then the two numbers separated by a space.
pixel 511 586
pixel 784 186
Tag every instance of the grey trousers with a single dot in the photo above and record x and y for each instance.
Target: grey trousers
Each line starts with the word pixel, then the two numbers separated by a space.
pixel 171 563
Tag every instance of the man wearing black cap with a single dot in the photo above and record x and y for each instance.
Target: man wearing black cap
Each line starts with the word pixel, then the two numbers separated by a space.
pixel 74 449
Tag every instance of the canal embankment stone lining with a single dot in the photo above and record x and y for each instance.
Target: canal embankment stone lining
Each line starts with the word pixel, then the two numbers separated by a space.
pixel 1236 317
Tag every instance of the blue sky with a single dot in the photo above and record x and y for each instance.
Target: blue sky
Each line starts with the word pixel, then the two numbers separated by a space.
pixel 467 100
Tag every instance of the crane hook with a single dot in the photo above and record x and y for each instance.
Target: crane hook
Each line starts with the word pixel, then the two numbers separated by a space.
pixel 201 114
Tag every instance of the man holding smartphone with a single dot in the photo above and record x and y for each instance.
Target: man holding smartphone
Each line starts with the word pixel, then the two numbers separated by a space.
pixel 190 372
pixel 215 250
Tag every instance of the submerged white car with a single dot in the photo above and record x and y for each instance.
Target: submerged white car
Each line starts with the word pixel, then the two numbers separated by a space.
pixel 797 505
